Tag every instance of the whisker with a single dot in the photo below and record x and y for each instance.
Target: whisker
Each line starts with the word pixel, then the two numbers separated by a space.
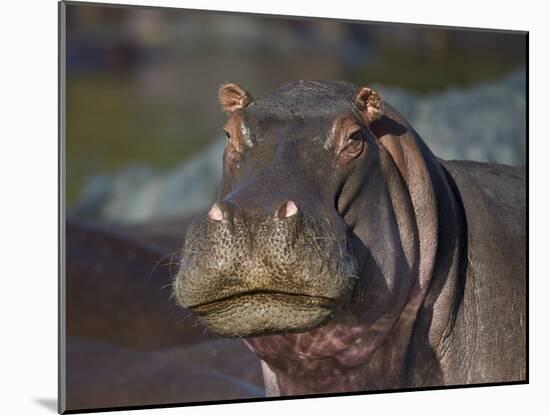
pixel 157 264
pixel 184 319
pixel 170 284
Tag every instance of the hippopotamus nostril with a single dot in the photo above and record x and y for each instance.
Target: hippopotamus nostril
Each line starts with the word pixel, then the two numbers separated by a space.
pixel 216 212
pixel 223 211
pixel 286 210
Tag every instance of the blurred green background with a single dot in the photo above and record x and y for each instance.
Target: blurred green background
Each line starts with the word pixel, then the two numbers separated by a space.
pixel 142 83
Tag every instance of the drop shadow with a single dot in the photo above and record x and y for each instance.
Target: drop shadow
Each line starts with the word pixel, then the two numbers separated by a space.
pixel 48 403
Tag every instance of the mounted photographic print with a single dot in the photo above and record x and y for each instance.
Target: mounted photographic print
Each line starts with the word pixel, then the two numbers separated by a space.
pixel 257 206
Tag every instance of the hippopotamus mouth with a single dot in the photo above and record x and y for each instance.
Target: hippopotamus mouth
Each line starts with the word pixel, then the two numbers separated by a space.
pixel 267 309
pixel 260 295
pixel 245 275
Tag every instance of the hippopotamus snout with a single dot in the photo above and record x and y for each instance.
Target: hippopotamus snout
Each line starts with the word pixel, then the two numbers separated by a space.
pixel 246 272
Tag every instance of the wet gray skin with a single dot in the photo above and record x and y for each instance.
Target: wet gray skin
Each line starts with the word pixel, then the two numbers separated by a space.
pixel 349 256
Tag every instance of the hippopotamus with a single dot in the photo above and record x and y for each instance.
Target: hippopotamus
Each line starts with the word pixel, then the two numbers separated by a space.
pixel 349 257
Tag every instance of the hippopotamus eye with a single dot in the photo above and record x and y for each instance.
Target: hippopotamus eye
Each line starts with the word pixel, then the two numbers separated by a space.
pixel 233 139
pixel 355 138
pixel 347 138
pixel 230 141
pixel 353 145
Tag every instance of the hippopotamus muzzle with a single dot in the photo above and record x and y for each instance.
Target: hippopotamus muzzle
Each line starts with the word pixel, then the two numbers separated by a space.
pixel 244 273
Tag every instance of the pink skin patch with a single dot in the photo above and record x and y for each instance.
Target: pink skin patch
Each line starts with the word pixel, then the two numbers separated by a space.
pixel 287 210
pixel 215 212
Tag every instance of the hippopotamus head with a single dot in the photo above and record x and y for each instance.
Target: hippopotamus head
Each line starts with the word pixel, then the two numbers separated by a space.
pixel 278 252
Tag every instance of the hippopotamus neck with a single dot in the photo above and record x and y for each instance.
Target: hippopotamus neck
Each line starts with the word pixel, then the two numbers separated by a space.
pixel 395 317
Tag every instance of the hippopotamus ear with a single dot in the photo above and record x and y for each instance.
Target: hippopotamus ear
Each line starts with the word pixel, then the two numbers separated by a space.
pixel 233 97
pixel 369 104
